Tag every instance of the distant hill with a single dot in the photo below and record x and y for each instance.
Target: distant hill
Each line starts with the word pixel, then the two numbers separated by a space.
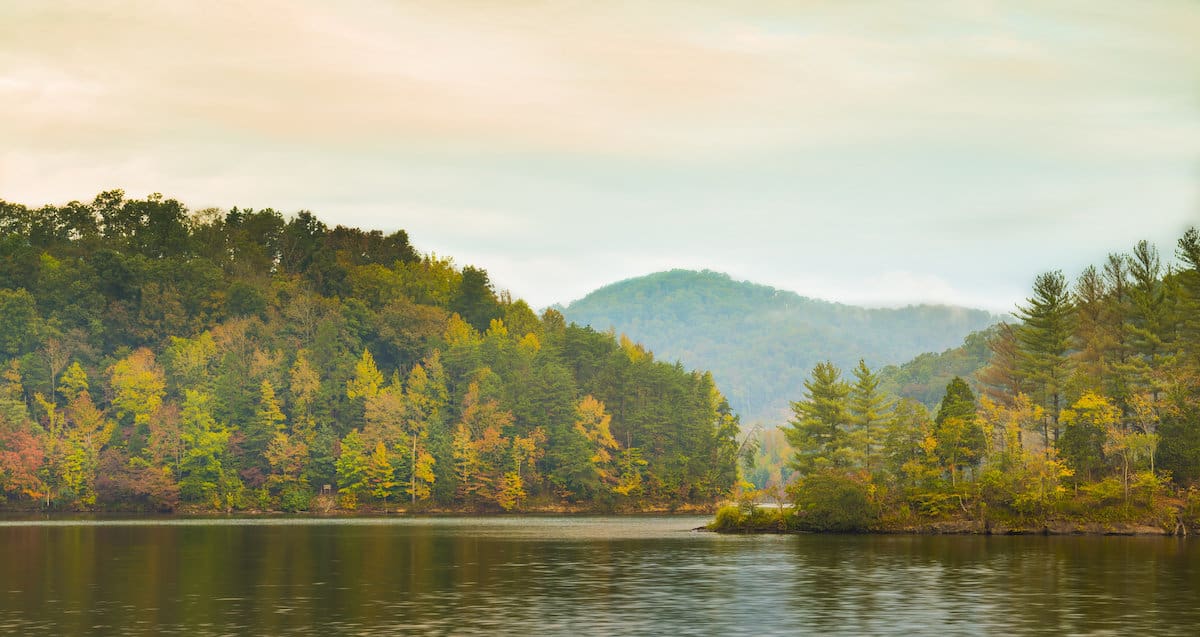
pixel 761 342
pixel 925 377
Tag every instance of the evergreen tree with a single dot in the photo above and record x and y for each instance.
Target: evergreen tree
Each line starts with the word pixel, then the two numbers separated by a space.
pixel 1045 339
pixel 960 440
pixel 1092 334
pixel 1148 326
pixel 820 427
pixel 1002 378
pixel 1188 251
pixel 868 411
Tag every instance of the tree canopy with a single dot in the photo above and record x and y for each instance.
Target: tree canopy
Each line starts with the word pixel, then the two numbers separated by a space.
pixel 159 357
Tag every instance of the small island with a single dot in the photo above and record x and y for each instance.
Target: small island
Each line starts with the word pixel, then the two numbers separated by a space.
pixel 1085 420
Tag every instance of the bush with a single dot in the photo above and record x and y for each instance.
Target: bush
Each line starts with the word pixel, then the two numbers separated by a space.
pixel 749 518
pixel 832 501
pixel 1105 493
pixel 729 518
pixel 295 498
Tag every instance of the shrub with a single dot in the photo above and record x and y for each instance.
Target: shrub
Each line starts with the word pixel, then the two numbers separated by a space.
pixel 295 498
pixel 728 518
pixel 833 501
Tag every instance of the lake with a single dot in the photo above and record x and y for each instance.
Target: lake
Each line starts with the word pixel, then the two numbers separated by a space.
pixel 576 575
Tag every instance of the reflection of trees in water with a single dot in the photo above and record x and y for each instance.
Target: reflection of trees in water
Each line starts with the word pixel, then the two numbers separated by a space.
pixel 583 575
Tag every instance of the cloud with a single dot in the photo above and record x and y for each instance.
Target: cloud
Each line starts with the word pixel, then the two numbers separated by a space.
pixel 961 146
pixel 669 80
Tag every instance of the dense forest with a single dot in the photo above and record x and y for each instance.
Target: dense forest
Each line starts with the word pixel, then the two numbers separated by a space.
pixel 760 342
pixel 1087 412
pixel 156 358
pixel 925 377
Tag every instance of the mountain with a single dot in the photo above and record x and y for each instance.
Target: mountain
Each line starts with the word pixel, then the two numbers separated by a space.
pixel 761 342
pixel 925 377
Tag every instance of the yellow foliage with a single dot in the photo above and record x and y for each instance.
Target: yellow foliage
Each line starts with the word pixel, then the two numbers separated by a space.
pixel 497 329
pixel 460 332
pixel 530 344
pixel 367 378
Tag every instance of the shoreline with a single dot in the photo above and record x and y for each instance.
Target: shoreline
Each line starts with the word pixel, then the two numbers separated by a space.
pixel 1049 530
pixel 681 511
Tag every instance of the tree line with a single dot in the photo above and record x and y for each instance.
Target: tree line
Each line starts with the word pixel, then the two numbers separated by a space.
pixel 1088 409
pixel 155 357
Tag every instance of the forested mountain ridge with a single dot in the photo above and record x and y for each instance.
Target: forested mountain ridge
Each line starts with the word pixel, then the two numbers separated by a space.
pixel 759 341
pixel 156 357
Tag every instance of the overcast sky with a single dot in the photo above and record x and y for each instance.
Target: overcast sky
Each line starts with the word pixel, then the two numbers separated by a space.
pixel 870 152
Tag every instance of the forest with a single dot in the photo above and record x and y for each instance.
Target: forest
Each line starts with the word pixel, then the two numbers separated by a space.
pixel 154 358
pixel 1086 416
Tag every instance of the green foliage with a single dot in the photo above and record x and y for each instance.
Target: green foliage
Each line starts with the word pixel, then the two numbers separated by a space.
pixel 728 518
pixel 295 498
pixel 960 441
pixel 1047 321
pixel 925 377
pixel 1085 428
pixel 242 358
pixel 869 410
pixel 831 500
pixel 819 432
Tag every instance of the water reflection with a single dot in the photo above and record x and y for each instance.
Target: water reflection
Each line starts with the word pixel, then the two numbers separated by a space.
pixel 577 575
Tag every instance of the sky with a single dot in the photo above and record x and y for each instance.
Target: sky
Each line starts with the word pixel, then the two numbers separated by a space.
pixel 878 153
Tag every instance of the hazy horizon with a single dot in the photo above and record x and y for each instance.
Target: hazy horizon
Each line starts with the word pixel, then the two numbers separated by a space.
pixel 941 152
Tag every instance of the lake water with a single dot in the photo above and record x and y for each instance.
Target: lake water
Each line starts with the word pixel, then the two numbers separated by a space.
pixel 580 576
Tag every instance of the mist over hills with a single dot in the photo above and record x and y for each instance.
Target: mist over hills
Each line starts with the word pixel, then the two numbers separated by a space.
pixel 761 342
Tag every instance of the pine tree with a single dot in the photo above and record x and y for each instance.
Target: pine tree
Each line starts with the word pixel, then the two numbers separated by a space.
pixel 1002 378
pixel 1188 251
pixel 1092 334
pixel 820 427
pixel 1045 339
pixel 1148 326
pixel 1117 310
pixel 960 440
pixel 868 410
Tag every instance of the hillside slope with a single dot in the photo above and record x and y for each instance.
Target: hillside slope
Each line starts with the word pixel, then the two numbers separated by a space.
pixel 761 342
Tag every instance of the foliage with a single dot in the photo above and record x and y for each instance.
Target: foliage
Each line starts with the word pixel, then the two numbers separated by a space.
pixel 238 358
pixel 820 431
pixel 831 500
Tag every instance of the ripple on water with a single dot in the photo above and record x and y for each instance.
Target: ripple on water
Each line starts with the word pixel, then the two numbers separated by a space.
pixel 576 576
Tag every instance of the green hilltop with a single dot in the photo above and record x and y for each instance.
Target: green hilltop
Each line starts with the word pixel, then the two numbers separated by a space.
pixel 761 342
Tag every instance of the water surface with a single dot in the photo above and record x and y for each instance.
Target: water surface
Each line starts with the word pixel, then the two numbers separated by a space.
pixel 579 575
